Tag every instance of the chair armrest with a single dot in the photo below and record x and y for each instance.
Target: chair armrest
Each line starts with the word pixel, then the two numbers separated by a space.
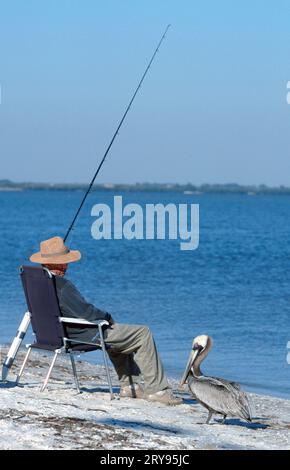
pixel 81 321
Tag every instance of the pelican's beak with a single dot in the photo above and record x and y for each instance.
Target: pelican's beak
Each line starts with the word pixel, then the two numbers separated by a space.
pixel 192 356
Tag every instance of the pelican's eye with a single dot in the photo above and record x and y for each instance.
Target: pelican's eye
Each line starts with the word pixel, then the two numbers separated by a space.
pixel 197 347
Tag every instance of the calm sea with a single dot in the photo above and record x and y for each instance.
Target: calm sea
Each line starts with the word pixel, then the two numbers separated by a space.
pixel 234 287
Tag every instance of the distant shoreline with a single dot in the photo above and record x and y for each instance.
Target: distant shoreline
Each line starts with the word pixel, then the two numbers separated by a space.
pixel 189 188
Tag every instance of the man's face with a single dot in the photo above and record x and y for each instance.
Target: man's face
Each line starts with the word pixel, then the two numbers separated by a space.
pixel 58 269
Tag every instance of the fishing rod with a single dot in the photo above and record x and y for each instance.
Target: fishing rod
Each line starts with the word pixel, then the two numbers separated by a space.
pixel 115 134
pixel 23 327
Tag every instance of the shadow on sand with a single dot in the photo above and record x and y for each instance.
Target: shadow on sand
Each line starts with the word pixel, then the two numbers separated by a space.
pixel 8 384
pixel 243 424
pixel 133 425
pixel 99 389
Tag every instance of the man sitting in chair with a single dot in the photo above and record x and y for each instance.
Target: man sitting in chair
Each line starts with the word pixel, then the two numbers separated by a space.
pixel 133 351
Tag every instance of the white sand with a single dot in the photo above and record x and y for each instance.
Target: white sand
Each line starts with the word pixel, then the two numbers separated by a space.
pixel 59 418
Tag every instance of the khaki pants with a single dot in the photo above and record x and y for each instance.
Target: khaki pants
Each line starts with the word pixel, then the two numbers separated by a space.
pixel 134 353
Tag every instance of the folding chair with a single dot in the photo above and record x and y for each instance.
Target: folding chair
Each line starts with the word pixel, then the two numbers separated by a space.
pixel 49 326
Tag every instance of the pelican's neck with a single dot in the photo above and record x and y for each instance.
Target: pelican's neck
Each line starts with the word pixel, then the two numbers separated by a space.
pixel 200 358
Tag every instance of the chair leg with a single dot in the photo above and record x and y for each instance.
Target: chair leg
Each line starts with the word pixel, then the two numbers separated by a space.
pixel 74 372
pixel 49 371
pixel 23 365
pixel 106 362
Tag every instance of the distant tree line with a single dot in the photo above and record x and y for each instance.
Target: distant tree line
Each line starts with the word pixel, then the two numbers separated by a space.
pixel 6 184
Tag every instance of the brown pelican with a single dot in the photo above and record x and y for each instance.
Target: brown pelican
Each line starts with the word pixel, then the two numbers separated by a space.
pixel 217 395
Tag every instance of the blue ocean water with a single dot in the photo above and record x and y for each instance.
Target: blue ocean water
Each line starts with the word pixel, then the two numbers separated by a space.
pixel 234 287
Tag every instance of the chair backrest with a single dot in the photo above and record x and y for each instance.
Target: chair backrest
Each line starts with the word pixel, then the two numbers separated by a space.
pixel 42 302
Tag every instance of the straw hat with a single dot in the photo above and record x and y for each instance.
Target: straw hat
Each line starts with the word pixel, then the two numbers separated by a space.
pixel 54 251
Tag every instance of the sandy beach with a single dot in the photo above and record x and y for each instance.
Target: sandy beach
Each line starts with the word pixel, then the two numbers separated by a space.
pixel 59 418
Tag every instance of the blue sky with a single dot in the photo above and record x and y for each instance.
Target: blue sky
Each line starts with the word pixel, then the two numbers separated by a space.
pixel 212 109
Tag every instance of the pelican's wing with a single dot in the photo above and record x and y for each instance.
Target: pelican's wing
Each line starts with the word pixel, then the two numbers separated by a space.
pixel 245 406
pixel 229 382
pixel 219 382
pixel 241 397
pixel 221 397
